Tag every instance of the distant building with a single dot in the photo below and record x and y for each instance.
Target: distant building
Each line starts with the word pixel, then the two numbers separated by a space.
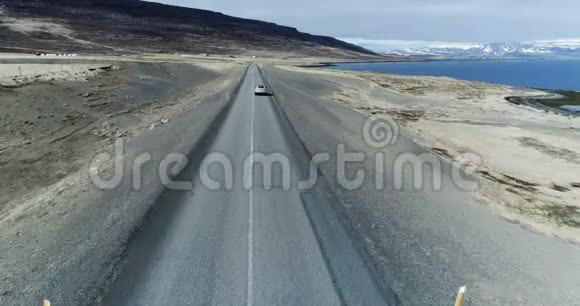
pixel 571 108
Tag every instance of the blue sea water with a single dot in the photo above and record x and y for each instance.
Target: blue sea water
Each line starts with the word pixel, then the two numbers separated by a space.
pixel 537 73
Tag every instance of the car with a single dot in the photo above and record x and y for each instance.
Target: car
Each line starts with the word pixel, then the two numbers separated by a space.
pixel 261 90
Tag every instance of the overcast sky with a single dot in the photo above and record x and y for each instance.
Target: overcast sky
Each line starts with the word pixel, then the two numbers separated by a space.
pixel 413 20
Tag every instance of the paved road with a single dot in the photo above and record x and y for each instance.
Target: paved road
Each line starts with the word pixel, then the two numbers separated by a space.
pixel 329 245
pixel 252 246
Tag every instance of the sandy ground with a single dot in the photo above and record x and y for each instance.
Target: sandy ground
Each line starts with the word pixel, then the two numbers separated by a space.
pixel 15 75
pixel 53 119
pixel 530 169
pixel 53 220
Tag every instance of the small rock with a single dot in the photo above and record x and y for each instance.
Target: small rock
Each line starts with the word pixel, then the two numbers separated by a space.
pixel 121 133
pixel 576 218
pixel 86 94
pixel 93 103
pixel 164 121
pixel 560 188
pixel 127 111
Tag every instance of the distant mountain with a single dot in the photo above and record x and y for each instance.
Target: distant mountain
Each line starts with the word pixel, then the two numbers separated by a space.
pixel 554 48
pixel 133 26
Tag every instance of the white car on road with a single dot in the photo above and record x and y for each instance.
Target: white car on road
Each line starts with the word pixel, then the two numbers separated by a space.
pixel 261 90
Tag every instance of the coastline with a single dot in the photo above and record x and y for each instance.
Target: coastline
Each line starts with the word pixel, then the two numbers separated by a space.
pixel 535 102
pixel 552 101
pixel 390 59
pixel 412 59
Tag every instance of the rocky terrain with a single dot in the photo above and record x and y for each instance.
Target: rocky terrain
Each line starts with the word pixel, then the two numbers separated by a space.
pixel 133 26
pixel 49 126
pixel 56 119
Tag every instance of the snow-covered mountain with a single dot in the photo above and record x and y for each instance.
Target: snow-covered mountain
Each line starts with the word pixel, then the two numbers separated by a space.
pixel 546 48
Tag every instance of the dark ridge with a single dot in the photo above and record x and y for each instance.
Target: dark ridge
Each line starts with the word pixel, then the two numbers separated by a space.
pixel 133 26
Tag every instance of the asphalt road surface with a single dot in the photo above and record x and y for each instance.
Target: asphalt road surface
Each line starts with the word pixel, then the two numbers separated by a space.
pixel 252 246
pixel 329 245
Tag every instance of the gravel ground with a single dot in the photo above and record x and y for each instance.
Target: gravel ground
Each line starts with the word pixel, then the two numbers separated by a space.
pixel 62 238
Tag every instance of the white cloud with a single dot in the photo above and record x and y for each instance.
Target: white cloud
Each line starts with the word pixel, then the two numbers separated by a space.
pixel 564 42
pixel 386 45
pixel 383 45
